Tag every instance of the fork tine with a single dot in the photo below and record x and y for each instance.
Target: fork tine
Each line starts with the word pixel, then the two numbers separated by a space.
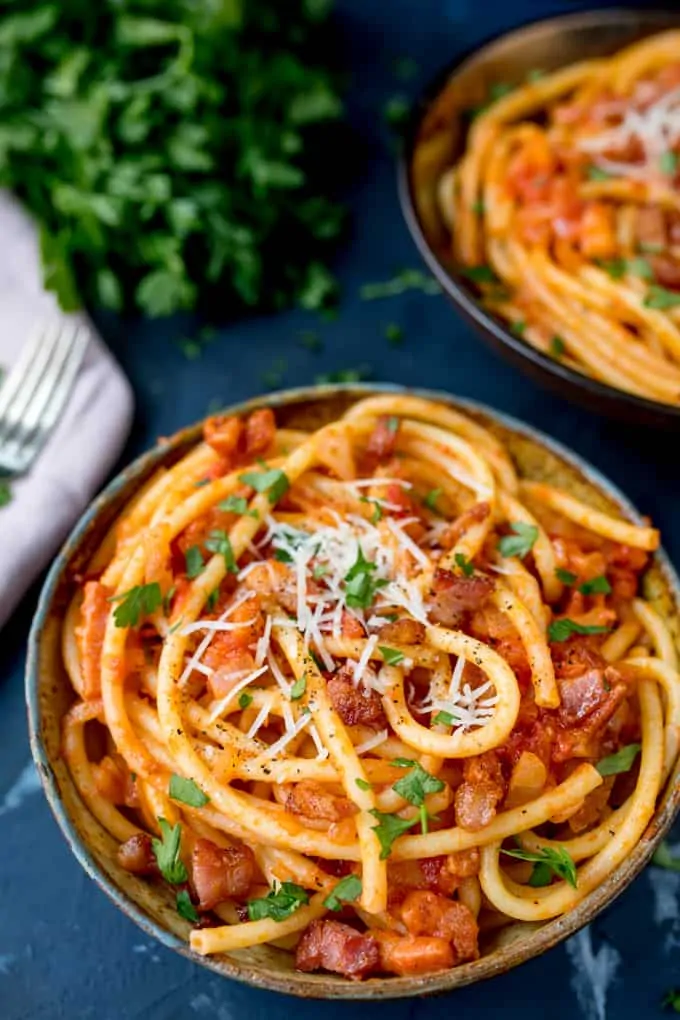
pixel 26 371
pixel 49 400
pixel 29 381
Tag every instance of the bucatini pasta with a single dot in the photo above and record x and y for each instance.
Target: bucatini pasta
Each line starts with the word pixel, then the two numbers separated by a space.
pixel 364 693
pixel 565 211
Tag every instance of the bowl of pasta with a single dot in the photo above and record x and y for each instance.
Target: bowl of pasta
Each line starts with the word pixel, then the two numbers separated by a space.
pixel 540 181
pixel 359 692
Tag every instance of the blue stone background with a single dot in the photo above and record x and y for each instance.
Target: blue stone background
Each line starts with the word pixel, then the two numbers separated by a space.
pixel 65 952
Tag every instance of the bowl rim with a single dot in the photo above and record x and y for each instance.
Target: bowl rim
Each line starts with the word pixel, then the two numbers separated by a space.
pixel 452 282
pixel 545 937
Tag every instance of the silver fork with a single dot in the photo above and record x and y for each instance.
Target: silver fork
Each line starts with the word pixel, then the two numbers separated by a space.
pixel 36 390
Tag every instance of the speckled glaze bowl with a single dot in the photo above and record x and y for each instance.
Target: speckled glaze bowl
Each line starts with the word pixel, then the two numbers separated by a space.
pixel 151 905
pixel 435 140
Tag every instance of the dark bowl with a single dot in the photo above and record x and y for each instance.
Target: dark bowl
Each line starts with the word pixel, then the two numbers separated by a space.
pixel 151 904
pixel 548 45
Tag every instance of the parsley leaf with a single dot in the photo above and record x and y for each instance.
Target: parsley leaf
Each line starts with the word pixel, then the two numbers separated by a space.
pixel 557 859
pixel 561 630
pixel 430 500
pixel 479 274
pixel 520 542
pixel 596 174
pixel 518 327
pixel 445 719
pixel 193 562
pixel 415 786
pixel 407 279
pixel 237 505
pixel 5 492
pixel 298 688
pixel 394 334
pixel 166 852
pixel 363 785
pixel 622 761
pixel 142 600
pixel 389 828
pixel 672 999
pixel 185 907
pixel 595 586
pixel 245 699
pixel 360 587
pixel 347 890
pixel 668 163
pixel 218 542
pixel 618 268
pixel 465 565
pixel 392 656
pixel 660 298
pixel 212 600
pixel 565 576
pixel 187 792
pixel 279 903
pixel 663 858
pixel 273 481
pixel 557 347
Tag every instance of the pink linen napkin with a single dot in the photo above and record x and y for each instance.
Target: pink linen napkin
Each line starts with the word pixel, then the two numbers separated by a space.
pixel 88 437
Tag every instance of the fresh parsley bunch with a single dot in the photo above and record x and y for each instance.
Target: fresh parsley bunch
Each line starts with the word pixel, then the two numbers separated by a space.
pixel 173 151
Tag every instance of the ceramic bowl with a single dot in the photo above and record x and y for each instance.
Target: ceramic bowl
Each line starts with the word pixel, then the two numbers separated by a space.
pixel 151 905
pixel 439 117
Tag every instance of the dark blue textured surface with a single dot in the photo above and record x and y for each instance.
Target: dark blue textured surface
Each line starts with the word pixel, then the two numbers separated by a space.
pixel 65 952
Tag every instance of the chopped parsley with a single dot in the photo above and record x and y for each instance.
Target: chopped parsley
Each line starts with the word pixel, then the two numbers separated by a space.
pixel 298 688
pixel 521 542
pixel 668 164
pixel 400 283
pixel 389 828
pixel 282 901
pixel 479 274
pixel 166 852
pixel 273 481
pixel 363 785
pixel 565 576
pixel 663 858
pixel 212 599
pixel 237 505
pixel 557 347
pixel 187 792
pixel 518 327
pixel 465 565
pixel 377 508
pixel 344 375
pixel 193 562
pixel 347 890
pixel 5 492
pixel 445 719
pixel 622 761
pixel 430 500
pixel 218 542
pixel 548 861
pixel 618 268
pixel 595 586
pixel 671 1000
pixel 661 298
pixel 396 111
pixel 394 334
pixel 245 700
pixel 185 907
pixel 595 173
pixel 562 630
pixel 310 340
pixel 142 600
pixel 478 207
pixel 392 656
